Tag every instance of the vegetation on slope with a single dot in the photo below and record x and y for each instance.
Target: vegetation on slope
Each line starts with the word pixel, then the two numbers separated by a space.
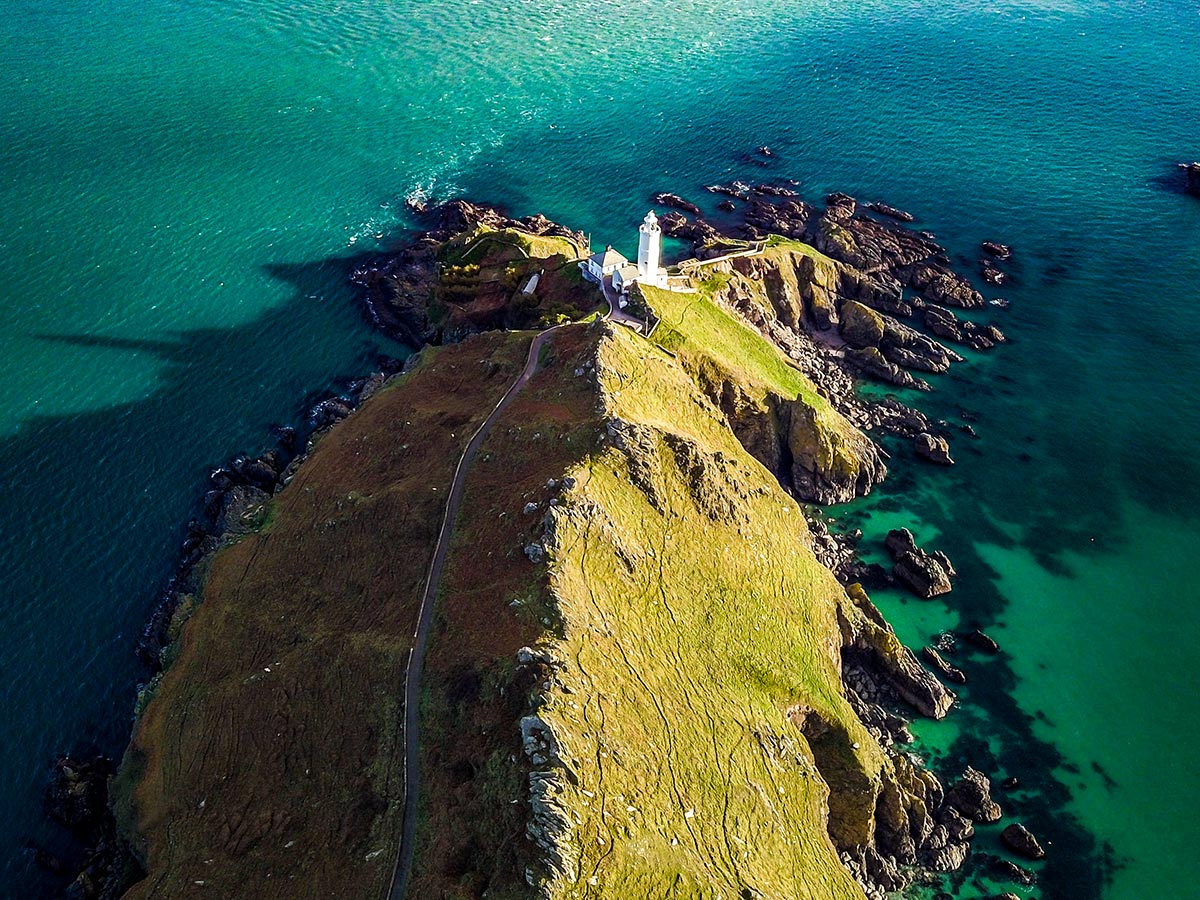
pixel 777 412
pixel 268 762
pixel 699 630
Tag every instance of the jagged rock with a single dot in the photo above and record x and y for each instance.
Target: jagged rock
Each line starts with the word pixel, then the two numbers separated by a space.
pixel 1007 897
pixel 772 190
pixel 926 574
pixel 891 212
pixel 675 202
pixel 943 668
pixel 958 827
pixel 738 190
pixel 871 648
pixel 947 859
pixel 934 448
pixel 861 326
pixel 972 796
pixel 1010 871
pixel 942 285
pixel 1020 840
pixel 535 553
pixel 998 250
pixel 871 362
pixel 985 643
pixel 922 574
pixel 1192 173
pixel 78 793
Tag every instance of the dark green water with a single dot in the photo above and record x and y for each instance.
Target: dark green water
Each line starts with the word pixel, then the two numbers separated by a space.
pixel 180 180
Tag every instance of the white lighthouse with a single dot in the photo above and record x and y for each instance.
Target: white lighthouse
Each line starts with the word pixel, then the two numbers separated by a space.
pixel 650 251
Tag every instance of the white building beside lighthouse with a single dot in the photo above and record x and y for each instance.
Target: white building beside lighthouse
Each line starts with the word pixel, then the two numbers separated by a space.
pixel 623 274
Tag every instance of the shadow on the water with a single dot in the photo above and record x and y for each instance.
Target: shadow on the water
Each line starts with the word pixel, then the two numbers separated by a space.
pixel 95 506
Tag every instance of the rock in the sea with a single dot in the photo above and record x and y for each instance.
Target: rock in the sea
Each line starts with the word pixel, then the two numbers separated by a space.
pixel 675 202
pixel 997 250
pixel 925 574
pixel 972 796
pixel 1010 871
pixel 891 212
pixel 1192 172
pixel 78 793
pixel 983 642
pixel 727 206
pixel 922 574
pixel 943 668
pixel 958 827
pixel 934 448
pixel 1020 840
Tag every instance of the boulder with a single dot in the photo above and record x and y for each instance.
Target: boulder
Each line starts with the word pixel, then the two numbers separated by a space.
pixel 1010 871
pixel 727 206
pixel 1020 840
pixel 958 827
pixel 241 507
pixel 922 574
pixel 739 190
pixel 972 796
pixel 983 642
pixel 891 212
pixel 675 202
pixel 934 448
pixel 1192 173
pixel 772 190
pixel 78 793
pixel 925 574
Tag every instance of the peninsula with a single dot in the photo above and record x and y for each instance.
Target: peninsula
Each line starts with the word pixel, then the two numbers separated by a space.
pixel 548 613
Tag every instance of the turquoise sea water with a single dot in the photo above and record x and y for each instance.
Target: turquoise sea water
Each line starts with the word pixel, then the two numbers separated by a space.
pixel 181 183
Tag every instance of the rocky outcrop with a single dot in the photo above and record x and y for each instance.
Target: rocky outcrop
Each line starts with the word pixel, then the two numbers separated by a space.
pixel 1020 840
pixel 971 795
pixel 674 201
pixel 934 448
pixel 877 666
pixel 891 212
pixel 945 324
pixel 1191 172
pixel 938 663
pixel 926 574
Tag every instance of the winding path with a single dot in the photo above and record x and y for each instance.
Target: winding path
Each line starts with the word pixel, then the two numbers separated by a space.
pixel 416 656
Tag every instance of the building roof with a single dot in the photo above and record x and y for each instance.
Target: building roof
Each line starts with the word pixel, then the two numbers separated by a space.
pixel 628 272
pixel 609 257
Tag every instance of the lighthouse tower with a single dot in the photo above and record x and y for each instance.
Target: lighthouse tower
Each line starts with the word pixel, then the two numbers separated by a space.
pixel 650 251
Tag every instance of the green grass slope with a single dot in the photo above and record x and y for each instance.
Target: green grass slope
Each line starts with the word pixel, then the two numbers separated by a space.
pixel 699 631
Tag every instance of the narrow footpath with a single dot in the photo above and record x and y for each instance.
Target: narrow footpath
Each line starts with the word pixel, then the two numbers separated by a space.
pixel 416 657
